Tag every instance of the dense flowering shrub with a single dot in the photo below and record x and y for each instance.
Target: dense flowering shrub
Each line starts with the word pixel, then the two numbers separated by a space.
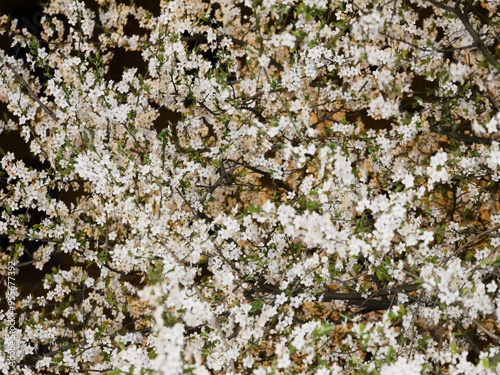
pixel 280 186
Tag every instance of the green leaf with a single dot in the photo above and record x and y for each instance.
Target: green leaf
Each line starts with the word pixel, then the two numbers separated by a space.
pixel 312 205
pixel 252 209
pixel 454 348
pixel 486 363
pixel 257 306
pixel 323 330
pixel 494 361
pixel 444 75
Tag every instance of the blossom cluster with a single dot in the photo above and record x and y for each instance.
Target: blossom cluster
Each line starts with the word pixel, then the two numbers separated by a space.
pixel 275 186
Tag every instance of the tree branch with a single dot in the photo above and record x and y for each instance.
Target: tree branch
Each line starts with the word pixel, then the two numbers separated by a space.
pixel 31 93
pixel 477 40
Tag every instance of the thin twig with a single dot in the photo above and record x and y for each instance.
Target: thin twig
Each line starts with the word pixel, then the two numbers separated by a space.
pixel 202 215
pixel 465 334
pixel 31 93
pixel 487 331
pixel 213 319
pixel 468 243
pixel 477 40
